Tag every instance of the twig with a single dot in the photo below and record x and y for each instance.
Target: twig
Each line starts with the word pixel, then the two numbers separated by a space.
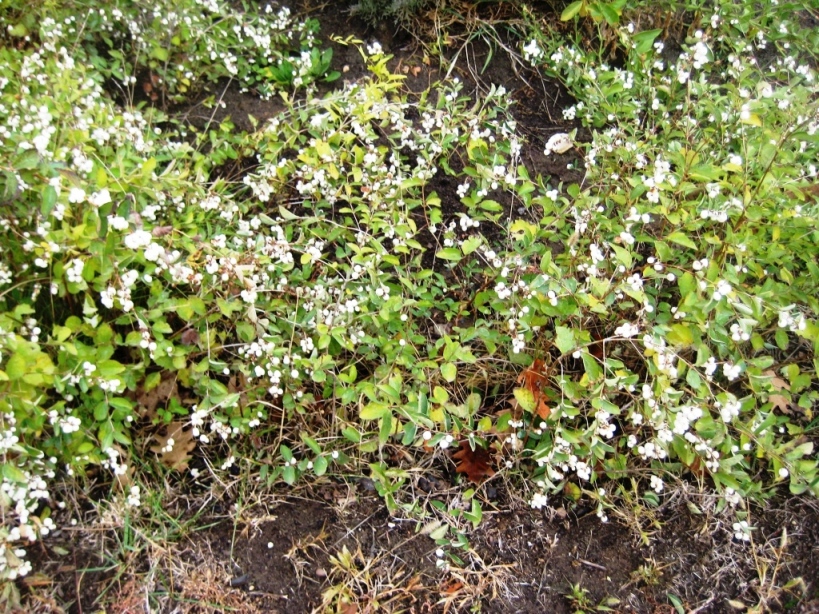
pixel 590 564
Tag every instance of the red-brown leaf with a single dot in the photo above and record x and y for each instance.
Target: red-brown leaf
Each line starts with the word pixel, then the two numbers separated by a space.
pixel 474 463
pixel 533 378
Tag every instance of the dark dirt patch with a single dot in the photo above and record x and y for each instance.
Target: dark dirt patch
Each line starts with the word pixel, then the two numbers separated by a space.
pixel 529 559
pixel 280 553
pixel 286 560
pixel 223 100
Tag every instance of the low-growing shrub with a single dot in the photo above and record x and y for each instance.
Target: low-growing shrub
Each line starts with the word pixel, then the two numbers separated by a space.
pixel 696 226
pixel 390 273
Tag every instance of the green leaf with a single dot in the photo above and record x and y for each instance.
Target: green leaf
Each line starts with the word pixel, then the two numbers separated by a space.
pixel 152 381
pixel 680 335
pixel 109 368
pixel 246 332
pixel 16 367
pixel 286 215
pixel 676 602
pixel 606 406
pixel 439 532
pixel 687 284
pixel 27 161
pixel 571 10
pixel 525 398
pixel 320 465
pixel 449 371
pixel 680 238
pixel 49 200
pixel 644 40
pixel 706 172
pixel 623 256
pixel 471 244
pixel 798 452
pixel 564 339
pixel 449 253
pixel 440 395
pixel 592 367
pixel 159 53
pixel 198 305
pixel 121 403
pixel 101 411
pixel 385 428
pixel 608 12
pixel 311 443
pixel 753 119
pixel 10 187
pixel 351 434
pixel 13 474
pixel 373 411
pixel 106 435
pixel 475 515
pixel 19 30
pixel 491 205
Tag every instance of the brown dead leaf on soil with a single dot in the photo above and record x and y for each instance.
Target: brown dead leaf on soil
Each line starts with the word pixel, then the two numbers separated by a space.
pixel 151 86
pixel 189 336
pixel 178 455
pixel 149 400
pixel 781 402
pixel 474 463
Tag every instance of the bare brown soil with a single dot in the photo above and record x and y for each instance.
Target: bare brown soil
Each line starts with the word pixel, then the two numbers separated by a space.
pixel 281 554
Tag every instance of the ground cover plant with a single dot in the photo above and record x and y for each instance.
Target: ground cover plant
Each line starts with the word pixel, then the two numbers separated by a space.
pixel 389 284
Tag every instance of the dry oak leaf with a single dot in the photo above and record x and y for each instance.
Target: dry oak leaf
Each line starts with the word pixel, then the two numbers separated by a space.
pixel 474 463
pixel 149 400
pixel 174 456
pixel 777 382
pixel 780 401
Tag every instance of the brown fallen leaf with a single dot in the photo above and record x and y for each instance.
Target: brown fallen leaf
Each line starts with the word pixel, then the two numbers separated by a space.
pixel 474 463
pixel 533 378
pixel 543 410
pixel 189 336
pixel 777 382
pixel 161 231
pixel 149 400
pixel 781 402
pixel 177 455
